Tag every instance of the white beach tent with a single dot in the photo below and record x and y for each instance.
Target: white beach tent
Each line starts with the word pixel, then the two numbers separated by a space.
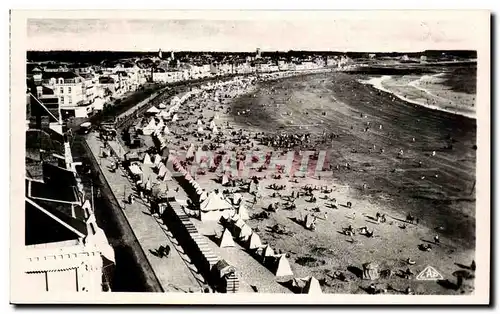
pixel 168 175
pixel 212 124
pixel 245 233
pixel 237 198
pixel 225 179
pixel 148 186
pixel 313 286
pixel 200 129
pixel 283 267
pixel 160 125
pixel 147 160
pixel 215 130
pixel 190 152
pixel 214 206
pixel 254 241
pixel 157 160
pixel 166 130
pixel 203 196
pixel 242 211
pixel 153 110
pixel 307 285
pixel 199 122
pixel 150 127
pixel 164 114
pixel 267 251
pixel 162 106
pixel 135 169
pixel 226 240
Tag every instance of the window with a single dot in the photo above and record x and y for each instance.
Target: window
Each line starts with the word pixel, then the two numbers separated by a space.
pixel 62 100
pixel 69 90
pixel 70 100
pixel 61 90
pixel 61 81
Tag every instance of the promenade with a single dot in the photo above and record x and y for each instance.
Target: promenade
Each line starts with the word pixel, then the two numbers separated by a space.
pixel 176 272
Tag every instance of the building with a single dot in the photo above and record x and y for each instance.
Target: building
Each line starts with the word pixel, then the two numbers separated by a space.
pixel 74 91
pixel 167 76
pixel 160 55
pixel 68 86
pixel 65 249
pixel 258 54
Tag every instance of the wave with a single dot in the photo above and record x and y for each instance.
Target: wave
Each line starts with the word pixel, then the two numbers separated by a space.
pixel 376 82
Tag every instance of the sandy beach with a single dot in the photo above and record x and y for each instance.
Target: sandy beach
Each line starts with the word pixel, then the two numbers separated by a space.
pixel 440 192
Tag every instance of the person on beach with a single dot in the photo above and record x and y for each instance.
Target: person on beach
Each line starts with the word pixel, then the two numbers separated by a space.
pixel 436 239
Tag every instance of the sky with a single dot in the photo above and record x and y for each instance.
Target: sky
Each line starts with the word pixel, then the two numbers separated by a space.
pixel 369 33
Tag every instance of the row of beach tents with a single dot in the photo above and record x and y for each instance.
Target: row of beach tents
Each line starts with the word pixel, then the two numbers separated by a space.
pixel 267 255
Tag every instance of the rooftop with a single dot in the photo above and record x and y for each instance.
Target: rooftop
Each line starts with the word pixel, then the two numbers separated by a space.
pixel 46 224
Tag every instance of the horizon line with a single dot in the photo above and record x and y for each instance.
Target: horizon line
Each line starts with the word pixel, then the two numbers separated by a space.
pixel 251 51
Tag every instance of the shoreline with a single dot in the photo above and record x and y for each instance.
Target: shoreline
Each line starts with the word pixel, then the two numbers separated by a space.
pixel 376 82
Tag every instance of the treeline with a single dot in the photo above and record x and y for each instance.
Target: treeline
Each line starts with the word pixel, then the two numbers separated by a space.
pixel 96 57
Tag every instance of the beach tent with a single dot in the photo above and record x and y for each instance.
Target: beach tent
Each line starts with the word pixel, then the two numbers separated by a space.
pixel 214 206
pixel 236 198
pixel 190 152
pixel 153 110
pixel 164 114
pixel 215 130
pixel 162 106
pixel 147 160
pixel 160 125
pixel 245 233
pixel 135 169
pixel 370 271
pixel 200 129
pixel 283 267
pixel 307 285
pixel 150 127
pixel 267 251
pixel 203 196
pixel 157 160
pixel 175 117
pixel 168 175
pixel 199 122
pixel 225 179
pixel 242 211
pixel 166 130
pixel 212 124
pixel 226 240
pixel 313 286
pixel 254 241
pixel 148 186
